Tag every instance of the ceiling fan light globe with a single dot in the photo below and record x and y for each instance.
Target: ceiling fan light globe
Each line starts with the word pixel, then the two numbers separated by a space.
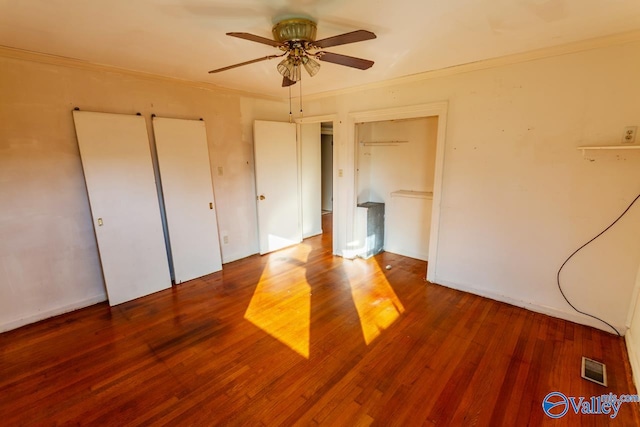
pixel 295 73
pixel 311 65
pixel 285 67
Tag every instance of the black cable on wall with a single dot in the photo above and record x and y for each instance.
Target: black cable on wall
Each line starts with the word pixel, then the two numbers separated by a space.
pixel 578 250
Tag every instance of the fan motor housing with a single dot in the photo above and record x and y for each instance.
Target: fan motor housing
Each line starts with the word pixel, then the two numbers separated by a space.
pixel 296 29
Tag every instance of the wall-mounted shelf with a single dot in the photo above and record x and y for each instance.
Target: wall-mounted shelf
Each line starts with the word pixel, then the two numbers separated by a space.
pixel 609 147
pixel 382 143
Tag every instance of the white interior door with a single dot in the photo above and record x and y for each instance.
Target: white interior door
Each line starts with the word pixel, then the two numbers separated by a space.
pixel 124 203
pixel 276 163
pixel 311 174
pixel 185 172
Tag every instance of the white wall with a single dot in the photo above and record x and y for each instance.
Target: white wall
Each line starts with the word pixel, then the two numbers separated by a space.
pixel 408 225
pixel 48 257
pixel 517 196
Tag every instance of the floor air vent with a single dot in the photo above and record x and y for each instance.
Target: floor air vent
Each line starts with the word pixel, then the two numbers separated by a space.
pixel 594 371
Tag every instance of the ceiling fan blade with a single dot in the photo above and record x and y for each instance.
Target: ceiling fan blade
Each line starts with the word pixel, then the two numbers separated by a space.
pixel 352 37
pixel 244 63
pixel 348 61
pixel 257 39
pixel 286 82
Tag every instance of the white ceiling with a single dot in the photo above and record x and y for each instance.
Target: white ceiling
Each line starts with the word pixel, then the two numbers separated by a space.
pixel 186 38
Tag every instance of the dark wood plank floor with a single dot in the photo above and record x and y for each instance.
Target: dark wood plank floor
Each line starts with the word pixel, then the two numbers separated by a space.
pixel 303 338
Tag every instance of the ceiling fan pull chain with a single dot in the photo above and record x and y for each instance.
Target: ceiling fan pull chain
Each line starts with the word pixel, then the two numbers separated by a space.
pixel 301 114
pixel 290 113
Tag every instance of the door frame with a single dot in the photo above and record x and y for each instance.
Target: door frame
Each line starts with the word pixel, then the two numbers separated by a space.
pixel 436 109
pixel 333 118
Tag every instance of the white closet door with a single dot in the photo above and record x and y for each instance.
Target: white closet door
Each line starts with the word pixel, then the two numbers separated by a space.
pixel 185 172
pixel 124 203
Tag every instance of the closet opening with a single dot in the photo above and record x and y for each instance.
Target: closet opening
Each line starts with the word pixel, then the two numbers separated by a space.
pixel 395 165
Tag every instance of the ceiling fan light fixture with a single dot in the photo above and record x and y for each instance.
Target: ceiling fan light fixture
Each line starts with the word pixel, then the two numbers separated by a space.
pixel 295 37
pixel 290 68
pixel 311 65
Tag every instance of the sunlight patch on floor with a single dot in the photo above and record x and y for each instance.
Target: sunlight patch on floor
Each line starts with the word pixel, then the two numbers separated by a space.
pixel 377 304
pixel 281 303
pixel 277 242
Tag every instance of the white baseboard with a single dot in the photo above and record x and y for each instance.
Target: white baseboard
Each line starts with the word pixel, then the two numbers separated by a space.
pixel 550 311
pixel 634 358
pixel 312 234
pixel 15 324
pixel 236 257
pixel 422 256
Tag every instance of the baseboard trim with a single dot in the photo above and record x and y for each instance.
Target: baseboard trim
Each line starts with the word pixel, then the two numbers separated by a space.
pixel 52 312
pixel 312 234
pixel 634 357
pixel 237 257
pixel 549 311
pixel 422 256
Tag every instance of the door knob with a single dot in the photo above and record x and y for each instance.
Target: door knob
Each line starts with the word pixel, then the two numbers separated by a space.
pixel 262 197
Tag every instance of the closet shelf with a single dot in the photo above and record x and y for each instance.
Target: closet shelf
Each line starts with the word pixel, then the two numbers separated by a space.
pixel 413 194
pixel 382 143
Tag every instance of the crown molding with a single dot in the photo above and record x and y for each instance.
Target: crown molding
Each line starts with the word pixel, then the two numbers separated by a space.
pixel 564 49
pixel 533 55
pixel 44 58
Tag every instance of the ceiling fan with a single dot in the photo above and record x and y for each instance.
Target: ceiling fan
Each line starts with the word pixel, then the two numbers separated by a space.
pixel 296 38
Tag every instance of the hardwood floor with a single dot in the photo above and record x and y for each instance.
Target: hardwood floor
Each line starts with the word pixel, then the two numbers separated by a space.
pixel 300 337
